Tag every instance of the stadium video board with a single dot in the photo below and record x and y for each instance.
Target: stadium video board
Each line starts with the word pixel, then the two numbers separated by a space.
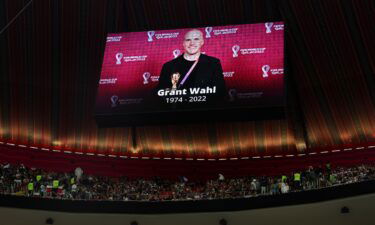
pixel 192 70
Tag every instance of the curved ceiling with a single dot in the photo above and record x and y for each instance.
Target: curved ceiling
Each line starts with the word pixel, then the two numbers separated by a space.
pixel 51 55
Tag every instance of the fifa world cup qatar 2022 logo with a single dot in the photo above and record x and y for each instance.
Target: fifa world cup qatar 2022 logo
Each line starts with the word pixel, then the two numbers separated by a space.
pixel 265 70
pixel 150 34
pixel 268 27
pixel 146 76
pixel 232 94
pixel 235 50
pixel 208 31
pixel 176 53
pixel 114 100
pixel 119 56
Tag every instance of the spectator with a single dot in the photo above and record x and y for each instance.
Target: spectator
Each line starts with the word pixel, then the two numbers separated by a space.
pixel 21 180
pixel 284 188
pixel 221 177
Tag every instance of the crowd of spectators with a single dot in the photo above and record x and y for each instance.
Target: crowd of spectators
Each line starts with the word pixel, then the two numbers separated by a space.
pixel 23 181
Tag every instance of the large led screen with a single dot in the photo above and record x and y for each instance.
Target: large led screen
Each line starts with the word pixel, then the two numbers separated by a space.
pixel 193 69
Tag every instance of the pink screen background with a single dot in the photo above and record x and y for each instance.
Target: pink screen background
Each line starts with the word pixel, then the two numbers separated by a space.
pixel 133 61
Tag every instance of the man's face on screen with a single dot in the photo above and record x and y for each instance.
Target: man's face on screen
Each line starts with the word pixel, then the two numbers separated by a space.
pixel 193 42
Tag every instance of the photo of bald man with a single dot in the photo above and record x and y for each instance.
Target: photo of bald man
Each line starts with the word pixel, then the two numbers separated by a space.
pixel 193 69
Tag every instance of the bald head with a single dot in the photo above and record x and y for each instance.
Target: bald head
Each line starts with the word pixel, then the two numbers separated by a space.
pixel 193 41
pixel 194 32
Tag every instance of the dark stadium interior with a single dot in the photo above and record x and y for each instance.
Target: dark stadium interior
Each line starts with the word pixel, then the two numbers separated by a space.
pixel 51 59
pixel 51 53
